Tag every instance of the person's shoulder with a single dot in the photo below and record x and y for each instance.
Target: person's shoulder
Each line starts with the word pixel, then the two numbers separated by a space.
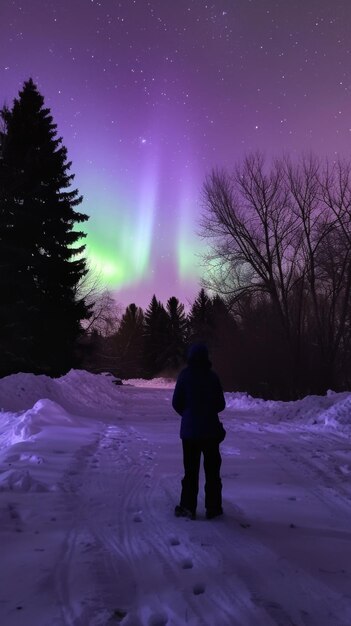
pixel 215 376
pixel 183 374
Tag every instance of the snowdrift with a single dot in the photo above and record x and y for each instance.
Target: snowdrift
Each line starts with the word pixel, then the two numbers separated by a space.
pixel 89 476
pixel 28 402
pixel 333 409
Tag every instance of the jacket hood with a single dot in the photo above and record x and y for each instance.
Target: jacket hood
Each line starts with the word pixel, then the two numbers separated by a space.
pixel 198 355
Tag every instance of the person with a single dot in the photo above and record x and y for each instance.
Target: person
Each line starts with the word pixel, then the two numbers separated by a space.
pixel 198 397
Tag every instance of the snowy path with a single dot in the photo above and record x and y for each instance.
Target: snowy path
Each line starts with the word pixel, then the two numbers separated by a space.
pixel 104 548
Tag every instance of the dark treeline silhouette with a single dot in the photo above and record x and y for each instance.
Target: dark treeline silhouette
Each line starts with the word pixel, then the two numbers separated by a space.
pixel 280 261
pixel 154 342
pixel 41 263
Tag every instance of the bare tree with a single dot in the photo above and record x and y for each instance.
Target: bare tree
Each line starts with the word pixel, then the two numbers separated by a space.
pixel 105 311
pixel 335 258
pixel 283 234
pixel 254 236
pixel 106 315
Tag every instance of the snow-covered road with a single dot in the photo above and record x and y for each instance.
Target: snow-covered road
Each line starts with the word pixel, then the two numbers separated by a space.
pixel 88 536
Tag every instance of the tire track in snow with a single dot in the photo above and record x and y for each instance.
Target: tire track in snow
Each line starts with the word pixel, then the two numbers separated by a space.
pixel 320 462
pixel 73 577
pixel 298 584
pixel 139 548
pixel 131 548
pixel 198 602
pixel 164 562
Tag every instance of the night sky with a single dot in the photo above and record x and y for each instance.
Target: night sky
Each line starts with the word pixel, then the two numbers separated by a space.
pixel 150 95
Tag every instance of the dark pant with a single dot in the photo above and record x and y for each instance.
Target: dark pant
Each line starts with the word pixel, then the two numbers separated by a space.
pixel 192 449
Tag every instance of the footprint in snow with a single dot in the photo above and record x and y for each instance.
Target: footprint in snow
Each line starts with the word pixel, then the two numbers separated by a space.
pixel 13 512
pixel 198 589
pixel 118 615
pixel 187 564
pixel 158 619
pixel 137 517
pixel 245 524
pixel 174 541
pixel 87 546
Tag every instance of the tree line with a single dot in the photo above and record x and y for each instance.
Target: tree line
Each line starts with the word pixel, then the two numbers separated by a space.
pixel 278 268
pixel 154 342
pixel 279 262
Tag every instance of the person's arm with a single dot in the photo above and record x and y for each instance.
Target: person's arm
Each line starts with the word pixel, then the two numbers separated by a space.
pixel 178 397
pixel 220 400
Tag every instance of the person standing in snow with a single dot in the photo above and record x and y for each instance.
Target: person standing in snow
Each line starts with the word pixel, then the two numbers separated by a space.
pixel 198 398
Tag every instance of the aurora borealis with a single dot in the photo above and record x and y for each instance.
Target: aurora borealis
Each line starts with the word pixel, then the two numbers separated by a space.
pixel 150 95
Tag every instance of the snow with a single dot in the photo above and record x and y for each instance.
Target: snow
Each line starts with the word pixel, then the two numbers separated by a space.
pixel 154 383
pixel 89 476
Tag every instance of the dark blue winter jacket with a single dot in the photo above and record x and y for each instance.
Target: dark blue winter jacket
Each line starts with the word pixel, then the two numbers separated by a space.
pixel 198 396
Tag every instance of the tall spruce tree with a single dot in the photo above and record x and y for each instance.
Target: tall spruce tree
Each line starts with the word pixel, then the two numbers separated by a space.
pixel 201 318
pixel 155 338
pixel 177 326
pixel 128 343
pixel 224 344
pixel 41 263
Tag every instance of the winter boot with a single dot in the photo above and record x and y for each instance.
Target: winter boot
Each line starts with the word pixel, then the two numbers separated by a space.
pixel 180 511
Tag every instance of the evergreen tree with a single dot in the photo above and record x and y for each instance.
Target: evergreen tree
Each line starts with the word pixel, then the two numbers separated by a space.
pixel 224 342
pixel 177 326
pixel 155 338
pixel 41 263
pixel 201 318
pixel 128 343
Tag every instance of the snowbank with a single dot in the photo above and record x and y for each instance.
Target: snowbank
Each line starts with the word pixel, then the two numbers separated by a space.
pixel 154 383
pixel 29 402
pixel 333 409
pixel 78 392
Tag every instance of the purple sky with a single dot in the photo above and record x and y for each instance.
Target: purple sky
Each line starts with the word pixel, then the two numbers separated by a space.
pixel 150 95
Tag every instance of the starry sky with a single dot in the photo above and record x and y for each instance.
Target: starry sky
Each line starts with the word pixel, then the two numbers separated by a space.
pixel 150 95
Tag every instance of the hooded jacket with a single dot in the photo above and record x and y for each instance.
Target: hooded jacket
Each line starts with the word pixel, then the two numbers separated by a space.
pixel 198 396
